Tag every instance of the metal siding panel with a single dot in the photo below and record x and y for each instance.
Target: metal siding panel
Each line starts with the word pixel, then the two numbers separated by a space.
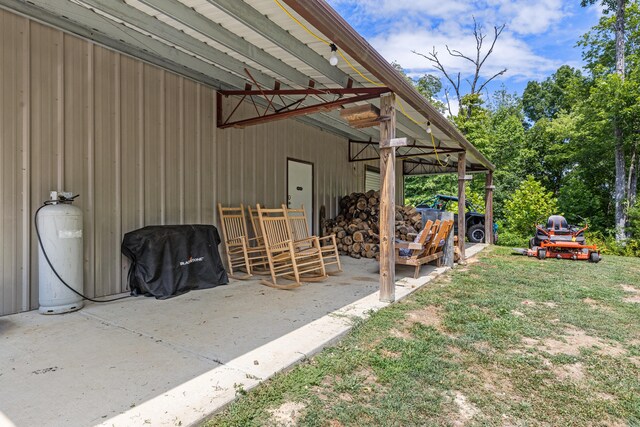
pixel 14 213
pixel 46 68
pixel 173 160
pixel 191 188
pixel 209 147
pixel 152 145
pixel 76 122
pixel 131 125
pixel 107 214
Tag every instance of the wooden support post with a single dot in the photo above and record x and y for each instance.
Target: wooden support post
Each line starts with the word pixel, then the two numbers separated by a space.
pixel 488 209
pixel 462 229
pixel 387 199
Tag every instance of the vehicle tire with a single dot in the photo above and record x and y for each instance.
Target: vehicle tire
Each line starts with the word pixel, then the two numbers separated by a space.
pixel 542 254
pixel 532 242
pixel 594 257
pixel 476 233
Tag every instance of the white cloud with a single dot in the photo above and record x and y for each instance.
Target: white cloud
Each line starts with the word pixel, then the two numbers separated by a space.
pixel 510 52
pixel 529 17
pixel 521 16
pixel 533 44
pixel 433 8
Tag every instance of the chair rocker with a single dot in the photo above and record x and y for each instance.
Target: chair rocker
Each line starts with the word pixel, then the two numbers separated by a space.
pixel 242 252
pixel 289 260
pixel 299 227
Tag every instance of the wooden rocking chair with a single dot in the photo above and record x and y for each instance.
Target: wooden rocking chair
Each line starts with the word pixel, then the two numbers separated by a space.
pixel 429 247
pixel 288 259
pixel 299 227
pixel 243 252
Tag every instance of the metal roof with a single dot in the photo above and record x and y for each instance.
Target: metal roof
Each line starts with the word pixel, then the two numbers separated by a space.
pixel 213 41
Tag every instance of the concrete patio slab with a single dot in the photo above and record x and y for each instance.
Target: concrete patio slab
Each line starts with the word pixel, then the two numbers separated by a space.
pixel 172 362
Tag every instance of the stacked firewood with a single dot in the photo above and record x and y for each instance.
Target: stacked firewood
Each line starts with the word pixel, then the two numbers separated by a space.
pixel 358 223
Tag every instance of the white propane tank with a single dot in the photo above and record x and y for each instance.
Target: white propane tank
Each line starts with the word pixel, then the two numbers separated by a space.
pixel 60 227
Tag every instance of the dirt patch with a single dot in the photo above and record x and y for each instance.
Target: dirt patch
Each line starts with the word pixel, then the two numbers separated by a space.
pixel 287 414
pixel 466 409
pixel 528 302
pixel 550 304
pixel 634 299
pixel 400 334
pixel 497 383
pixel 467 264
pixel 596 305
pixel 483 347
pixel 635 294
pixel 573 372
pixel 517 313
pixel 604 396
pixel 390 354
pixel 572 341
pixel 428 316
pixel 345 397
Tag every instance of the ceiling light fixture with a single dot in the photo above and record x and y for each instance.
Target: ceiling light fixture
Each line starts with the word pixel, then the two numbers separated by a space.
pixel 428 127
pixel 333 59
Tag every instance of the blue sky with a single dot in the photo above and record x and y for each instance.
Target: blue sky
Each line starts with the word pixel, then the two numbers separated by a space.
pixel 540 35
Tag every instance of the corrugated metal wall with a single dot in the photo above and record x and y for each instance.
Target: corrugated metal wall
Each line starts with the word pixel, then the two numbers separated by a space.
pixel 140 146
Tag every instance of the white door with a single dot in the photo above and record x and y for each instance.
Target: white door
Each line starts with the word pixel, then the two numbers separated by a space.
pixel 300 187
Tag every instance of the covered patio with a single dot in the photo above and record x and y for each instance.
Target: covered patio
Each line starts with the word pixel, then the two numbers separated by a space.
pixel 155 111
pixel 141 361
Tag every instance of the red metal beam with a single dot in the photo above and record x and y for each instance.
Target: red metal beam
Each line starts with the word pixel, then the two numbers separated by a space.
pixel 327 106
pixel 309 91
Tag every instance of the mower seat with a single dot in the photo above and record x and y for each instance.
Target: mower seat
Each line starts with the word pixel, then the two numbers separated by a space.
pixel 558 224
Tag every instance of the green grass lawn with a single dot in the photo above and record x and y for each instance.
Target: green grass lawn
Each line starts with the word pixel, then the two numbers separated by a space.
pixel 506 340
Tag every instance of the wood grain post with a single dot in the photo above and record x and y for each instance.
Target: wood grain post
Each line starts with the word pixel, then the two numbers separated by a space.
pixel 462 230
pixel 387 198
pixel 488 209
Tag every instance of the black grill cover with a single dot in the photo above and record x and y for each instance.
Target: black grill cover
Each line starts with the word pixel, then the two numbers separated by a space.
pixel 169 260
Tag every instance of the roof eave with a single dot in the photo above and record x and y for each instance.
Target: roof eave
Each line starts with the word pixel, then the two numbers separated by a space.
pixel 332 25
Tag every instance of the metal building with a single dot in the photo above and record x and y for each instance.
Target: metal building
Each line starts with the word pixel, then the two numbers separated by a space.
pixel 132 104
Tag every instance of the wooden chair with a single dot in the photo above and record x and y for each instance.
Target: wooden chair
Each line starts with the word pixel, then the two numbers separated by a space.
pixel 243 252
pixel 288 259
pixel 299 227
pixel 255 223
pixel 429 247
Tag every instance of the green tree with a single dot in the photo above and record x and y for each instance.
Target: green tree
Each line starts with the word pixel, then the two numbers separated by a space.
pixel 557 93
pixel 428 85
pixel 618 33
pixel 529 204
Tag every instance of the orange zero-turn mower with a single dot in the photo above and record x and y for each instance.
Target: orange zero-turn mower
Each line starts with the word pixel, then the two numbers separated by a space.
pixel 562 241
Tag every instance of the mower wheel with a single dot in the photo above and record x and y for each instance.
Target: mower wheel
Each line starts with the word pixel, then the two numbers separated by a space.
pixel 594 257
pixel 542 253
pixel 532 242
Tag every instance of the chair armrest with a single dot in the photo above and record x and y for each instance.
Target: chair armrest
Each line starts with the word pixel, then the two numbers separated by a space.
pixel 330 237
pixel 280 247
pixel 307 239
pixel 235 241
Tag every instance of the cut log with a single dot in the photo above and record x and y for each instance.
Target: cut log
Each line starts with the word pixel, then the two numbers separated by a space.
pixel 362 204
